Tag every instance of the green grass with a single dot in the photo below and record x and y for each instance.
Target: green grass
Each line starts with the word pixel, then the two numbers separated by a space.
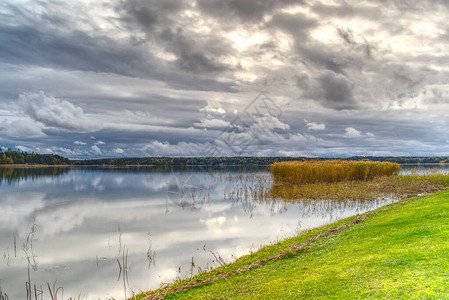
pixel 399 252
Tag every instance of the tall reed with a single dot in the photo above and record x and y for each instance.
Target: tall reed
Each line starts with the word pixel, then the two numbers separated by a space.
pixel 331 170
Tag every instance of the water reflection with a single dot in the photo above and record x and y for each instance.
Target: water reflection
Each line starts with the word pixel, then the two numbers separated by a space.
pixel 104 232
pixel 422 169
pixel 9 175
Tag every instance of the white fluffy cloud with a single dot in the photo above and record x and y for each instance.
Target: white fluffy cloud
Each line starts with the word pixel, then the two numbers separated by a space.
pixel 118 151
pixel 212 123
pixel 157 148
pixel 56 113
pixel 214 108
pixel 351 132
pixel 23 128
pixel 96 150
pixel 315 126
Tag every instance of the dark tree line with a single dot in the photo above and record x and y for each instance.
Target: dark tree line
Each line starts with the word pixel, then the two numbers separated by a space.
pixel 239 161
pixel 20 157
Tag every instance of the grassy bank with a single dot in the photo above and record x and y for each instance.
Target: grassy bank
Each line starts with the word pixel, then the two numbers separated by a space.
pixel 398 251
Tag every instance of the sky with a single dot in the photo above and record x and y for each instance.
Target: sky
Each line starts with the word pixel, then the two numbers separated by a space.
pixel 101 78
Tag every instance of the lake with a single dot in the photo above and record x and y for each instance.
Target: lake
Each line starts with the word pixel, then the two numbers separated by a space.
pixel 99 232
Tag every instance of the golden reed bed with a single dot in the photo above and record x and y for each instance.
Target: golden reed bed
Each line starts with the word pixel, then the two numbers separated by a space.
pixel 331 170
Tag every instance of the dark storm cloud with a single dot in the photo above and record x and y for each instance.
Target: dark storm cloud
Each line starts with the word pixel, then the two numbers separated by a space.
pixel 297 25
pixel 149 14
pixel 32 42
pixel 337 92
pixel 343 9
pixel 246 11
pixel 330 89
pixel 347 36
pixel 189 58
pixel 158 20
pixel 76 50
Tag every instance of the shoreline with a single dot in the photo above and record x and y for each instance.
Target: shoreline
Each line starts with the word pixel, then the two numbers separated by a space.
pixel 178 166
pixel 319 256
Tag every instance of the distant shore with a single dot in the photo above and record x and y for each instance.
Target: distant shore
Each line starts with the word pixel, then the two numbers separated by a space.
pixel 183 166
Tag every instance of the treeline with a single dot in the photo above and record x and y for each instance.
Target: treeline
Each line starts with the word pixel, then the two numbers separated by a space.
pixel 20 157
pixel 242 160
pixel 10 157
pixel 406 159
pixel 186 161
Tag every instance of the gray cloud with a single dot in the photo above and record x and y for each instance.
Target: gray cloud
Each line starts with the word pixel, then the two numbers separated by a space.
pixel 56 113
pixel 149 77
pixel 337 91
pixel 297 25
pixel 246 11
pixel 189 58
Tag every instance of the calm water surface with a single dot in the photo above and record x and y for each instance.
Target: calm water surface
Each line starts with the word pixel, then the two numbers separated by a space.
pixel 99 233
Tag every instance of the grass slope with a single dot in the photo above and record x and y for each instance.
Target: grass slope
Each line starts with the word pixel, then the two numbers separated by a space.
pixel 402 251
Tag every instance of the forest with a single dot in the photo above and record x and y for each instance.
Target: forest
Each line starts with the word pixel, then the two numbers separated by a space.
pixel 10 157
pixel 242 160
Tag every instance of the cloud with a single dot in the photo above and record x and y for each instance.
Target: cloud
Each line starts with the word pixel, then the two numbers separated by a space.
pixel 212 123
pixel 315 126
pixel 336 92
pixel 99 143
pixel 96 150
pixel 157 148
pixel 269 122
pixel 296 25
pixel 330 89
pixel 158 73
pixel 352 133
pixel 118 151
pixel 80 143
pixel 55 113
pixel 189 56
pixel 245 11
pixel 23 128
pixel 213 108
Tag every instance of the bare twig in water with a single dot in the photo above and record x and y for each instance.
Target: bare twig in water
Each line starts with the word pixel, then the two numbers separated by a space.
pixel 192 265
pixel 38 293
pixel 150 254
pixel 123 267
pixel 31 260
pixel 3 296
pixel 120 269
pixel 28 248
pixel 218 258
pixel 54 291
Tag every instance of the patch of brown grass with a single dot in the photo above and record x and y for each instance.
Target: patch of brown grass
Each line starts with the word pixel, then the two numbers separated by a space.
pixel 398 187
pixel 331 171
